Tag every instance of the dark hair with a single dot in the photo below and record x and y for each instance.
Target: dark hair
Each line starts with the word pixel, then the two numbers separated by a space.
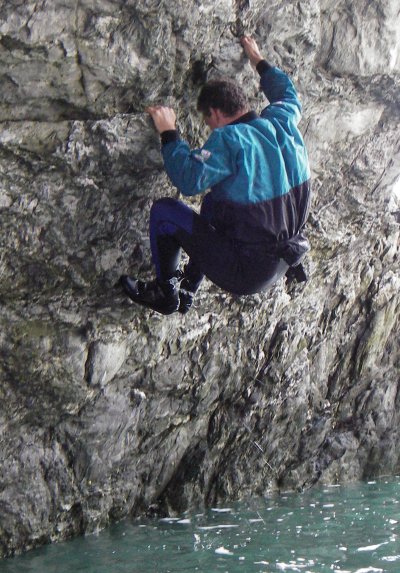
pixel 224 95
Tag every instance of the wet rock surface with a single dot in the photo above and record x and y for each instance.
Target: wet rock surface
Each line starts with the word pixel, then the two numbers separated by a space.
pixel 108 410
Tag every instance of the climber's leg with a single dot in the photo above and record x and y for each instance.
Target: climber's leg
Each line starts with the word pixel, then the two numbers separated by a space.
pixel 167 217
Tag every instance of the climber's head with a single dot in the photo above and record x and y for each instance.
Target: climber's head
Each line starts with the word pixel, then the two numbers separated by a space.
pixel 221 102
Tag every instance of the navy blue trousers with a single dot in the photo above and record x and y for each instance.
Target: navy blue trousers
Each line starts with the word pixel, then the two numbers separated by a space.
pixel 237 267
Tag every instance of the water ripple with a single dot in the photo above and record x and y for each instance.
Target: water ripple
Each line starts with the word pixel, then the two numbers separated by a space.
pixel 353 529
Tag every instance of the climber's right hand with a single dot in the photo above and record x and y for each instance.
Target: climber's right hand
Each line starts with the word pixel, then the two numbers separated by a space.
pixel 164 117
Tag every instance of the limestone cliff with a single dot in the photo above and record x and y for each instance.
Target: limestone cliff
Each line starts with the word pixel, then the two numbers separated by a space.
pixel 108 409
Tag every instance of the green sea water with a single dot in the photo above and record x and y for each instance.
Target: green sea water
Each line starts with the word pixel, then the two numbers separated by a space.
pixel 352 528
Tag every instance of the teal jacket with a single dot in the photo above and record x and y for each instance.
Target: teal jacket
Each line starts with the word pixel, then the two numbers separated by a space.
pixel 257 170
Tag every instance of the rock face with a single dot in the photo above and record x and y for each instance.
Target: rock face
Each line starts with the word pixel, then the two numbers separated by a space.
pixel 109 410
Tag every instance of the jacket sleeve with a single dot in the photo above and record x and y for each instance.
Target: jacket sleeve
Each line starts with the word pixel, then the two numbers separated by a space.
pixel 194 171
pixel 281 93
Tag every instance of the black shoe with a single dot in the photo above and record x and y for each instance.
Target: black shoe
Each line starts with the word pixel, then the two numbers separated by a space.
pixel 161 296
pixel 186 297
pixel 296 274
pixel 185 301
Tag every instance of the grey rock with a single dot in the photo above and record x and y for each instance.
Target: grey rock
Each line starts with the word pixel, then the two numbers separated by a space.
pixel 108 410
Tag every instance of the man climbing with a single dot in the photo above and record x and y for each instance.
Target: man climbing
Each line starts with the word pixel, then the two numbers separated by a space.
pixel 249 230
